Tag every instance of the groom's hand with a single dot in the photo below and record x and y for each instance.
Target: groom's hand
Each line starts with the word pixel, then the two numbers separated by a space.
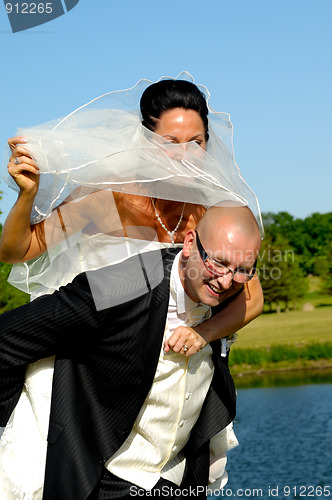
pixel 184 340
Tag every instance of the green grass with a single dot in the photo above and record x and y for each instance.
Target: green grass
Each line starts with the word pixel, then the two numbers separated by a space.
pixel 278 353
pixel 290 340
pixel 293 327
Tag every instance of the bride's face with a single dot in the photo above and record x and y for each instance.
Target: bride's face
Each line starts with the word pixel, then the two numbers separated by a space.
pixel 179 125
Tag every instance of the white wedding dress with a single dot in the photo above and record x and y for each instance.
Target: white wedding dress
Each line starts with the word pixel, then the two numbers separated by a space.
pixel 24 441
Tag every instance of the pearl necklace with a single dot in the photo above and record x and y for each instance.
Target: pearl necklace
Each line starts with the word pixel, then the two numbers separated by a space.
pixel 170 233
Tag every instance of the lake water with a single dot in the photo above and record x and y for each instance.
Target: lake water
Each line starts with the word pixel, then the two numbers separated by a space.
pixel 285 450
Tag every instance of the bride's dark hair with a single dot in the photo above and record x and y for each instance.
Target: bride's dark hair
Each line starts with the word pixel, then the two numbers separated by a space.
pixel 168 94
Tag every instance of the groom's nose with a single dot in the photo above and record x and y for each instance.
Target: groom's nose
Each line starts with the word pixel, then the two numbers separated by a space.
pixel 225 281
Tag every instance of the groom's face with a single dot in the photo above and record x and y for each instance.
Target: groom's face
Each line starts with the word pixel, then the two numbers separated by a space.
pixel 224 246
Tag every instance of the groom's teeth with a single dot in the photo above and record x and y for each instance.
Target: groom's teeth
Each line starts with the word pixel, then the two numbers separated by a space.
pixel 217 290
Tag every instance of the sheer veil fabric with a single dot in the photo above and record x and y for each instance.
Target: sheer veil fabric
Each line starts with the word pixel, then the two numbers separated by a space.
pixel 103 146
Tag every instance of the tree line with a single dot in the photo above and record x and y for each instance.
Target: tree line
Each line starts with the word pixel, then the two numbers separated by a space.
pixel 291 250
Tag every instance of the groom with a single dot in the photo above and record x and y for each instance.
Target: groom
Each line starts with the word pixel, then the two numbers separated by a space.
pixel 124 412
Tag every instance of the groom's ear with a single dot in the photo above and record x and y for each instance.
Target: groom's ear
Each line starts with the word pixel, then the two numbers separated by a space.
pixel 188 243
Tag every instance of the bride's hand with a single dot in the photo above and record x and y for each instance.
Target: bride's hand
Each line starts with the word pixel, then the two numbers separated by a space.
pixel 184 340
pixel 21 166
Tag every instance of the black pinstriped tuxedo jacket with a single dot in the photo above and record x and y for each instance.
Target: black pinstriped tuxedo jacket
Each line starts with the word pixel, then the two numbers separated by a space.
pixel 106 359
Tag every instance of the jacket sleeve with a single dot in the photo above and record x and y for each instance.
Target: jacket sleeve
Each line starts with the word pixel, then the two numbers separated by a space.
pixel 49 325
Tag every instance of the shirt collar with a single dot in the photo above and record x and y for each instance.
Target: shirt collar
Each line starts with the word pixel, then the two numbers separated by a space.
pixel 182 300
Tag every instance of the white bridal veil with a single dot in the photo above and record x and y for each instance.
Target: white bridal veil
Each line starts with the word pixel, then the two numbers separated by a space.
pixel 103 145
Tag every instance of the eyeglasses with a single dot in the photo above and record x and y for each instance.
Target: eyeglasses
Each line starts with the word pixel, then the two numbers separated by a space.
pixel 218 269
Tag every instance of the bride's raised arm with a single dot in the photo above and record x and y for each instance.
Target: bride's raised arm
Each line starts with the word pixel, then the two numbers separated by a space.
pixel 22 241
pixel 19 239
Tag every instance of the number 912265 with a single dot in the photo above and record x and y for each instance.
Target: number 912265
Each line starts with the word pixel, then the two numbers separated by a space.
pixel 29 8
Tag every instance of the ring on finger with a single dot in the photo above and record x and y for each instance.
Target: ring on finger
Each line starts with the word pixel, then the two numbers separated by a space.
pixel 185 348
pixel 17 161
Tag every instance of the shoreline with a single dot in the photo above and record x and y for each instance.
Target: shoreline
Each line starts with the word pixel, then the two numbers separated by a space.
pixel 248 370
pixel 317 372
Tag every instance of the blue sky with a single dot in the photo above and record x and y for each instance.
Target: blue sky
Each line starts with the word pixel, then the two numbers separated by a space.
pixel 266 62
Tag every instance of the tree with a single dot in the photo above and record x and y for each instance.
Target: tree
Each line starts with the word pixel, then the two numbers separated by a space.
pixel 10 297
pixel 326 272
pixel 280 273
pixel 309 238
